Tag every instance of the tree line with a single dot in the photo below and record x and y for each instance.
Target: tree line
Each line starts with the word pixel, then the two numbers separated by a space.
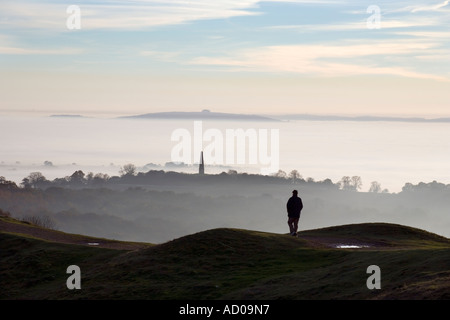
pixel 129 175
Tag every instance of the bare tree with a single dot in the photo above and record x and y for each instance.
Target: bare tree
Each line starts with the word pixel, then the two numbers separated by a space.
pixel 128 170
pixel 375 187
pixel 356 182
pixel 280 174
pixel 294 175
pixel 345 183
pixel 352 184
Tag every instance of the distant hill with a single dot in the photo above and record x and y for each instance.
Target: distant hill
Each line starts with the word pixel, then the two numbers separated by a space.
pixel 233 264
pixel 312 117
pixel 219 116
pixel 203 115
pixel 71 116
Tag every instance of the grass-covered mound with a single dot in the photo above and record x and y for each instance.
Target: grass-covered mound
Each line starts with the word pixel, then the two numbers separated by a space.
pixel 235 264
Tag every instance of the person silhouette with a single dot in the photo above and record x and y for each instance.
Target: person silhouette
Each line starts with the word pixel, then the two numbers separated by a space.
pixel 294 207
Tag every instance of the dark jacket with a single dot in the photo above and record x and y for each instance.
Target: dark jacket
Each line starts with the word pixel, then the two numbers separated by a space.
pixel 294 207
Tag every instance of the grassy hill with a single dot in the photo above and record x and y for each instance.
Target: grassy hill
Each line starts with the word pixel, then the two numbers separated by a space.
pixel 231 264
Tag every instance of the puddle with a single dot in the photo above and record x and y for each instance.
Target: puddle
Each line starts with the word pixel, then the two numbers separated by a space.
pixel 93 243
pixel 349 246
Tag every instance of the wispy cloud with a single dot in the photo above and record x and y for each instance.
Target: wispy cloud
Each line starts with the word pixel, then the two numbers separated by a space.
pixel 388 23
pixel 137 14
pixel 435 7
pixel 337 2
pixel 9 47
pixel 325 60
pixel 121 14
pixel 29 51
pixel 347 54
pixel 438 35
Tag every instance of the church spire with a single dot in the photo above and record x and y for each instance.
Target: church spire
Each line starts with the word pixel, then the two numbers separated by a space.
pixel 201 168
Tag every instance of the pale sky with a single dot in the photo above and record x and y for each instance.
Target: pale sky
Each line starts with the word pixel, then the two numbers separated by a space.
pixel 264 57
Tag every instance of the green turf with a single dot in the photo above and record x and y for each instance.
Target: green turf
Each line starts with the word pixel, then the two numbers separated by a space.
pixel 234 264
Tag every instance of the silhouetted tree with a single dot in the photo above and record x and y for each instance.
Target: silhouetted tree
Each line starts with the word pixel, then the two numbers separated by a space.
pixel 294 175
pixel 77 177
pixel 128 170
pixel 351 184
pixel 7 183
pixel 89 177
pixel 34 180
pixel 408 187
pixel 345 183
pixel 426 187
pixel 100 178
pixel 280 174
pixel 356 183
pixel 375 187
pixel 327 182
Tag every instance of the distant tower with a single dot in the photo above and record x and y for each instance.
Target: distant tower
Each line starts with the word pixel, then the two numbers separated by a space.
pixel 201 168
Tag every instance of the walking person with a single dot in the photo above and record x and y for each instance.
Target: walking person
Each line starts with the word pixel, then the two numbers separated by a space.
pixel 294 207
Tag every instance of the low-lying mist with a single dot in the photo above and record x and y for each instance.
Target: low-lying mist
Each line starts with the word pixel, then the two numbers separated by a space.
pixel 159 206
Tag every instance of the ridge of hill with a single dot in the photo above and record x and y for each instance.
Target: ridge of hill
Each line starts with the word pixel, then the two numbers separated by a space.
pixel 228 263
pixel 203 115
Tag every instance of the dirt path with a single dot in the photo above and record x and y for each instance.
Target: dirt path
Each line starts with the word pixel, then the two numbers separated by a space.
pixel 9 225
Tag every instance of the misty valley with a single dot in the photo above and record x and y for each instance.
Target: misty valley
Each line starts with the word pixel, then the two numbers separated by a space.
pixel 158 206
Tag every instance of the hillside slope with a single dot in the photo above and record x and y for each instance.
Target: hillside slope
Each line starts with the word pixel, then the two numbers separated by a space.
pixel 14 226
pixel 236 264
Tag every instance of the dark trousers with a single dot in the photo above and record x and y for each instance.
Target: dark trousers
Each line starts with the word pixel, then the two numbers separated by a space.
pixel 293 225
